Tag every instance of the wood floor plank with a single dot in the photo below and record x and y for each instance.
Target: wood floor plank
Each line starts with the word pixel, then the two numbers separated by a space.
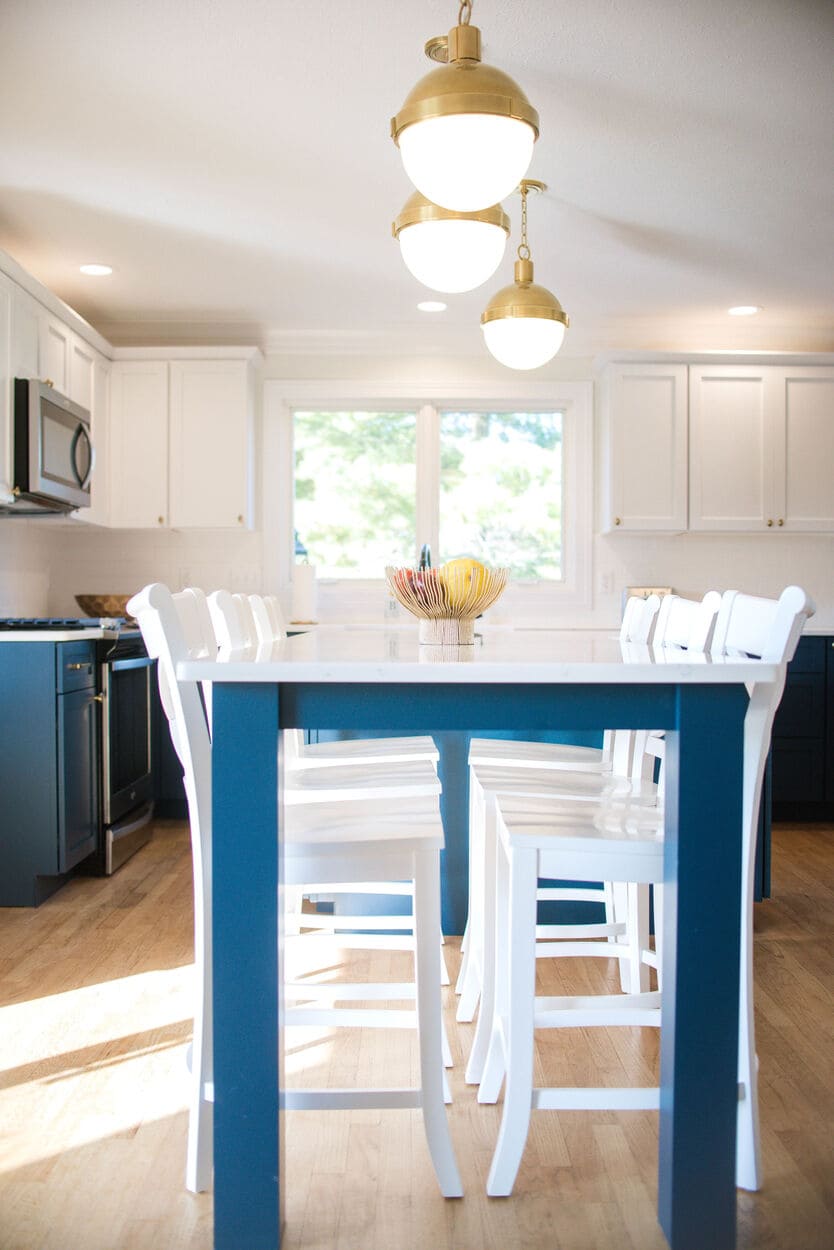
pixel 95 1019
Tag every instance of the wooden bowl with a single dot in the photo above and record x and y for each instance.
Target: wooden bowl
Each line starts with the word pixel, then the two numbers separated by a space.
pixel 110 606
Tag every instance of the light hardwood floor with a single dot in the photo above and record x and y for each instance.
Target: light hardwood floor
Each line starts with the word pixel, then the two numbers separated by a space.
pixel 94 1023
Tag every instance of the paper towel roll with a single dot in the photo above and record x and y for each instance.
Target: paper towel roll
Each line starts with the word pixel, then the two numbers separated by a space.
pixel 304 594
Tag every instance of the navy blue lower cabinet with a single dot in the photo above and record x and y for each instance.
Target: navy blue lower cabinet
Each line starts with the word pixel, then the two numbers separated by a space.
pixel 77 777
pixel 49 766
pixel 170 802
pixel 803 735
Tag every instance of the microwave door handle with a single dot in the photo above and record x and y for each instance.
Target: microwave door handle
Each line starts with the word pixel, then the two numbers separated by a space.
pixel 81 432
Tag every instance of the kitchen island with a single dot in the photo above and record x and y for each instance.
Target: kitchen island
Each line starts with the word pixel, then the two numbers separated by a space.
pixel 534 681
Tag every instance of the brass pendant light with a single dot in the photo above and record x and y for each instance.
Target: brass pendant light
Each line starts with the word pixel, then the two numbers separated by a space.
pixel 524 324
pixel 449 251
pixel 466 131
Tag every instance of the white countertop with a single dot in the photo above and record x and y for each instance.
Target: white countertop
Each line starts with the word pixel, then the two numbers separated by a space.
pixel 358 654
pixel 56 635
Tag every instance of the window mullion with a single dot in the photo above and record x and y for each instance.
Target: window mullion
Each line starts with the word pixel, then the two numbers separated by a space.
pixel 428 478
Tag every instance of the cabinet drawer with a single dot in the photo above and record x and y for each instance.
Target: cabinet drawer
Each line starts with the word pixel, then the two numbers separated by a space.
pixel 76 666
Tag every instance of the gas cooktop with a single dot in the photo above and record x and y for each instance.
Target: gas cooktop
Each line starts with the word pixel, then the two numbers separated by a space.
pixel 61 624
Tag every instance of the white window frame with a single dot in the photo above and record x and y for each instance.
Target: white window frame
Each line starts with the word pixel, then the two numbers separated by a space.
pixel 524 602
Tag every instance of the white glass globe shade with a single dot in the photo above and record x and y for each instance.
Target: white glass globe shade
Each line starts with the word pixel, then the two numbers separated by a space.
pixel 467 161
pixel 523 342
pixel 452 255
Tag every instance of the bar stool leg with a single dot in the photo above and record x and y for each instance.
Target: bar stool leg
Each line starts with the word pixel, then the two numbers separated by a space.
pixel 518 1094
pixel 495 1059
pixel 473 963
pixel 486 940
pixel 427 971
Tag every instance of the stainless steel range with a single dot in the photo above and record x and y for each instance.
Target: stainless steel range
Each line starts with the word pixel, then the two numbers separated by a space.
pixel 126 748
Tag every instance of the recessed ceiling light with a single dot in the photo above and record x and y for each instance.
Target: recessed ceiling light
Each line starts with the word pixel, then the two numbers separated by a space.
pixel 96 271
pixel 432 305
pixel 744 310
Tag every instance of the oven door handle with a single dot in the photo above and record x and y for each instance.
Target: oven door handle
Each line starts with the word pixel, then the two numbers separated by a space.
pixel 119 666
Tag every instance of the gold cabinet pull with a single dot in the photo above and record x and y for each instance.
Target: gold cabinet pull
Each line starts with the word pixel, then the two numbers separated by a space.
pixel 769 521
pixel 617 521
pixel 781 521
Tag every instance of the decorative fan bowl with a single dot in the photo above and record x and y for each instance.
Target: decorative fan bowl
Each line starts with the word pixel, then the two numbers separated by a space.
pixel 447 600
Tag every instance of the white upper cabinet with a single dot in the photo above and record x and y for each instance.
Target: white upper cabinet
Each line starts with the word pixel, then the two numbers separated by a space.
pixel 732 415
pixel 56 342
pixel 761 448
pixel 645 417
pixel 181 453
pixel 804 452
pixel 82 362
pixel 139 444
pixel 210 443
pixel 25 344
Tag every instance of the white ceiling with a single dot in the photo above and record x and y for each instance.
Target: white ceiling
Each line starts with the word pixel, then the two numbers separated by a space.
pixel 232 161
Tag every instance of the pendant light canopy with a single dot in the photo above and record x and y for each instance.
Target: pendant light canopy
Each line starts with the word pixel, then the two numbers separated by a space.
pixel 524 324
pixel 450 251
pixel 466 130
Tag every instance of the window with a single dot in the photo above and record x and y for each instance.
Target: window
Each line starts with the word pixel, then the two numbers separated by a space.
pixel 497 494
pixel 500 490
pixel 355 490
pixel 359 475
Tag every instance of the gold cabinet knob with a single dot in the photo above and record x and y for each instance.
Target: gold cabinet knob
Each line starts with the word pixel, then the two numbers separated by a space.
pixel 769 521
pixel 617 521
pixel 240 520
pixel 48 382
pixel 781 521
pixel 161 520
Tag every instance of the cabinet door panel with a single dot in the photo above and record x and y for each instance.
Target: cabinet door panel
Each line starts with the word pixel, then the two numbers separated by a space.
pixel 809 451
pixel 798 770
pixel 139 444
pixel 81 365
pixel 647 436
pixel 802 710
pixel 25 336
pixel 731 448
pixel 77 777
pixel 55 353
pixel 210 444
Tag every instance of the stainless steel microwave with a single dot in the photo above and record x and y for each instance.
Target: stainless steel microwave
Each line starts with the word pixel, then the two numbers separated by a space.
pixel 53 452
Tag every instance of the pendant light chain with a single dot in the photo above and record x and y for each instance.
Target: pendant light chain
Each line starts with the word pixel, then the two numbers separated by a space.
pixel 523 249
pixel 465 12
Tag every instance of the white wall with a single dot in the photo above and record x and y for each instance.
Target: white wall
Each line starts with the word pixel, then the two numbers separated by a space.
pixel 43 564
pixel 25 564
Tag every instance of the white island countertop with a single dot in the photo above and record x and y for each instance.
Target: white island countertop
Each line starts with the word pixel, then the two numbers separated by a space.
pixel 357 654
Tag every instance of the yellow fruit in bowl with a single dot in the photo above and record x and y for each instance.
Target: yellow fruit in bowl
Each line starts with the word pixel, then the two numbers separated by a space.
pixel 463 579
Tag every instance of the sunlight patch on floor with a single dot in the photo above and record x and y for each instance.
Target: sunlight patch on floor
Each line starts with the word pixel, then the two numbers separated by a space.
pixel 106 1059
